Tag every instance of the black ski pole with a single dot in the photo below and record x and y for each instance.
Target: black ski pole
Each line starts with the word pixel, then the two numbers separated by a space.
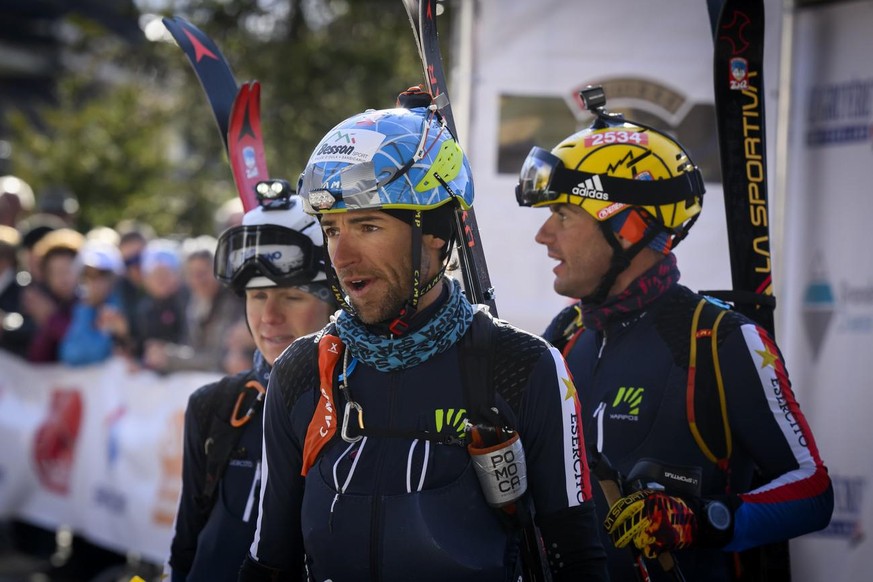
pixel 612 485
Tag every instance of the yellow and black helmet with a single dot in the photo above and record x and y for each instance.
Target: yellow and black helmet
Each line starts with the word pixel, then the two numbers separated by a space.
pixel 615 166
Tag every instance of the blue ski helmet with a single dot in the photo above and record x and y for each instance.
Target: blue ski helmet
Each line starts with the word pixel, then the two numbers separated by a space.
pixel 403 159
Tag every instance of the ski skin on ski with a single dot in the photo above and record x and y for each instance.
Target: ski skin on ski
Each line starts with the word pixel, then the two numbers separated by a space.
pixel 738 76
pixel 477 281
pixel 242 138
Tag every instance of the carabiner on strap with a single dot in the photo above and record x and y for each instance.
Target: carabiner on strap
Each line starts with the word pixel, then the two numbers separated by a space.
pixel 237 421
pixel 345 431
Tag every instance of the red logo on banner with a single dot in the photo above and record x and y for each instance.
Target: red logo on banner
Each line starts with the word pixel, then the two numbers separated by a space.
pixel 56 440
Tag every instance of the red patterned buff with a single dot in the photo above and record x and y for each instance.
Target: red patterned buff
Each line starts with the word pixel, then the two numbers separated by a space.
pixel 641 292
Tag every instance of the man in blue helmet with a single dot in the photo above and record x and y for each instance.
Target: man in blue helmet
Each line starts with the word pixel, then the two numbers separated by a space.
pixel 415 437
pixel 274 261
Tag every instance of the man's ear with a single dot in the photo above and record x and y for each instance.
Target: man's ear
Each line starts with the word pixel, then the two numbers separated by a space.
pixel 432 242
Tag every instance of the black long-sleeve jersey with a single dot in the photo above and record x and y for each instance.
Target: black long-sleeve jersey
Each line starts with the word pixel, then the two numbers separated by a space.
pixel 635 398
pixel 402 508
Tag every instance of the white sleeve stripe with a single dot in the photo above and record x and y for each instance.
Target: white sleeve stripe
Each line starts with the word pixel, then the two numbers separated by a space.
pixel 780 400
pixel 571 431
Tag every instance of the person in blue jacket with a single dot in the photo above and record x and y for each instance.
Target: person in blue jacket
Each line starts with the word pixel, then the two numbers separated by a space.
pixel 397 445
pixel 688 400
pixel 274 261
pixel 97 323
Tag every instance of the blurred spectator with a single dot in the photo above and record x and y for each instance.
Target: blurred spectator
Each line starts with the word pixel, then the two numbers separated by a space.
pixel 212 311
pixel 16 200
pixel 32 229
pixel 229 214
pixel 56 254
pixel 59 201
pixel 133 237
pixel 16 328
pixel 104 233
pixel 161 314
pixel 239 346
pixel 97 323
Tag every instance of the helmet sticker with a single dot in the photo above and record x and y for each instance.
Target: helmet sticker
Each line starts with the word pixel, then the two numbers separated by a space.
pixel 611 136
pixel 348 145
pixel 613 208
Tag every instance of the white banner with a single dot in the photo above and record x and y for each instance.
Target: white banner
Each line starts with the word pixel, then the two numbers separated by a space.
pixel 96 448
pixel 827 331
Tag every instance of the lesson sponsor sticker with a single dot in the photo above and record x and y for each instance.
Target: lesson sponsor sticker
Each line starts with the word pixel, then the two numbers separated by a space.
pixel 348 145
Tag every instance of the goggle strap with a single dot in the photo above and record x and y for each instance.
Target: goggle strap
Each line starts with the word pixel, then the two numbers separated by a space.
pixel 632 192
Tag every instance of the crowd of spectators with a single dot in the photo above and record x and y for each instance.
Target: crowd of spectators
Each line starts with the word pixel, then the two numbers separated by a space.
pixel 79 298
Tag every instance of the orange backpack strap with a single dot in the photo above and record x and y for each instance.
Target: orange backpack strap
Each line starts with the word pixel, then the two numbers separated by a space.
pixel 322 427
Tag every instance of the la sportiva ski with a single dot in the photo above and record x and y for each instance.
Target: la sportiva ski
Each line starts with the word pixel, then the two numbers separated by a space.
pixel 477 281
pixel 245 147
pixel 739 103
pixel 738 72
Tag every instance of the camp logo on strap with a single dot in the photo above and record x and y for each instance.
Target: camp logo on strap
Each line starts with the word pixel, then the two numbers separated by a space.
pixel 322 427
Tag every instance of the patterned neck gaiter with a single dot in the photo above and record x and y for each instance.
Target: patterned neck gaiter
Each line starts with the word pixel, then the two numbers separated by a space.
pixel 444 329
pixel 640 293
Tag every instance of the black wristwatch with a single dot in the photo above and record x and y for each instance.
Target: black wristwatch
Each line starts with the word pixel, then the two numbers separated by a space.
pixel 718 515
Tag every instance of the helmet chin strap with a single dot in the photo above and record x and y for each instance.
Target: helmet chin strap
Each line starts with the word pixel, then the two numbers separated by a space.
pixel 620 261
pixel 400 324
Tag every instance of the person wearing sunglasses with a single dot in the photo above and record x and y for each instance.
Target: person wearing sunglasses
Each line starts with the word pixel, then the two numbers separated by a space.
pixel 415 437
pixel 274 261
pixel 688 399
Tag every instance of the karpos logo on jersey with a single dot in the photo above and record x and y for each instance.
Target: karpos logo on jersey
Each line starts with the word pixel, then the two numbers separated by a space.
pixel 455 419
pixel 626 404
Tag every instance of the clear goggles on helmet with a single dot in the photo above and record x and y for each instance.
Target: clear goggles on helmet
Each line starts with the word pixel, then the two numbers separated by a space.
pixel 280 254
pixel 356 184
pixel 544 178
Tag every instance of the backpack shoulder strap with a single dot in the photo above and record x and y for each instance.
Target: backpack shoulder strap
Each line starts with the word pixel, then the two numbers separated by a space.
pixel 704 370
pixel 221 436
pixel 565 328
pixel 477 363
pixel 323 425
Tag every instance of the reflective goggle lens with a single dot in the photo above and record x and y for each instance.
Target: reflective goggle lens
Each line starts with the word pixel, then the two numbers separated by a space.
pixel 535 178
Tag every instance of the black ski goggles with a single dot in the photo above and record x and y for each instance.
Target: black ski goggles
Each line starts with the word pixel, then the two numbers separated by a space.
pixel 280 254
pixel 544 179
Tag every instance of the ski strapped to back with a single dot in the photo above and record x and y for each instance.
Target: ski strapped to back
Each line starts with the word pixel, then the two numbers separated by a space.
pixel 242 138
pixel 477 282
pixel 738 74
pixel 245 144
